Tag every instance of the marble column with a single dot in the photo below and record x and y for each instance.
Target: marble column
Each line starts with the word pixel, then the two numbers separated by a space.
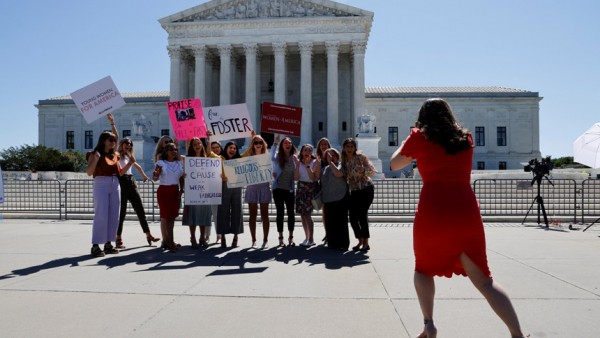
pixel 208 92
pixel 200 76
pixel 333 48
pixel 234 77
pixel 279 49
pixel 185 76
pixel 175 86
pixel 225 83
pixel 259 58
pixel 358 52
pixel 251 50
pixel 306 49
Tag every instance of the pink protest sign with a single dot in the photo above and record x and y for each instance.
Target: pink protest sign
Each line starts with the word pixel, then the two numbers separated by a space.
pixel 187 119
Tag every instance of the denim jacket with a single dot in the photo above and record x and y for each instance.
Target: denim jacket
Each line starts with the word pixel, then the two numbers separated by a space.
pixel 276 168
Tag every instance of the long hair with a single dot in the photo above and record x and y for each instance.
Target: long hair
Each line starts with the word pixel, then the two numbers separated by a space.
pixel 438 124
pixel 192 152
pixel 264 145
pixel 319 152
pixel 160 145
pixel 120 148
pixel 356 151
pixel 100 145
pixel 164 155
pixel 301 157
pixel 281 152
pixel 237 151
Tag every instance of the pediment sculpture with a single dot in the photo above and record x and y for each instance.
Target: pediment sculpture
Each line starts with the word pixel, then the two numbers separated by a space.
pixel 253 9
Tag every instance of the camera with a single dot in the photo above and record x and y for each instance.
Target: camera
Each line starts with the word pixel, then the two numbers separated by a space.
pixel 539 168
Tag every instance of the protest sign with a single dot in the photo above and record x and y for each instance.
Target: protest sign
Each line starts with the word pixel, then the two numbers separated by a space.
pixel 228 122
pixel 187 119
pixel 249 170
pixel 1 188
pixel 98 99
pixel 203 181
pixel 281 119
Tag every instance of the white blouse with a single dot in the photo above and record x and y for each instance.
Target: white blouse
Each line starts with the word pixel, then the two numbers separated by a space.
pixel 303 173
pixel 123 161
pixel 171 172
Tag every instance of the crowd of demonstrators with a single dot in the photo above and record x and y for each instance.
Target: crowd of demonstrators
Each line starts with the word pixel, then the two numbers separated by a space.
pixel 284 167
pixel 448 233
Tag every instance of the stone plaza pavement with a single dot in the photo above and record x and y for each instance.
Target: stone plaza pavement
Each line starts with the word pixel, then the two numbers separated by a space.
pixel 51 287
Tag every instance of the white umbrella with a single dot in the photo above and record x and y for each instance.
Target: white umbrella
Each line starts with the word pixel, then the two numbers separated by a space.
pixel 586 150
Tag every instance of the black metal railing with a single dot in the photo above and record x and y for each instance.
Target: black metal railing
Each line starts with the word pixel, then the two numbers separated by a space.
pixel 32 196
pixel 590 200
pixel 505 197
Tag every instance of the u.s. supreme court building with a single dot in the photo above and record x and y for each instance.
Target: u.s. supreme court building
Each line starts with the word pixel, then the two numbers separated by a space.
pixel 307 53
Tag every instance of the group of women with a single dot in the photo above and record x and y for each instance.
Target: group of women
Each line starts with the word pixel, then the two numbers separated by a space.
pixel 448 233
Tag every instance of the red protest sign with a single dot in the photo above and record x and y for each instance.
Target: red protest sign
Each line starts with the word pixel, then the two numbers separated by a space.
pixel 281 119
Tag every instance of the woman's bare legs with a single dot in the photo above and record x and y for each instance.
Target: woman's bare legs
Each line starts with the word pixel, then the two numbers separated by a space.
pixel 193 237
pixel 425 287
pixel 494 294
pixel 264 217
pixel 253 207
pixel 305 227
pixel 311 228
pixel 324 226
pixel 165 232
pixel 170 226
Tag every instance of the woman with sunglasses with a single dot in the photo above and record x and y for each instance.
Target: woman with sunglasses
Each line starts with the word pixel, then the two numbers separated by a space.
pixel 103 164
pixel 217 149
pixel 160 146
pixel 258 194
pixel 129 191
pixel 170 171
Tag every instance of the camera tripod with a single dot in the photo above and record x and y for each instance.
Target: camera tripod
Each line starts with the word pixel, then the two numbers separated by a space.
pixel 539 200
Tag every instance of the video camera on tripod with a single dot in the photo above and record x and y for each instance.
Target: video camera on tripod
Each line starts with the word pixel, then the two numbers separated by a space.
pixel 540 170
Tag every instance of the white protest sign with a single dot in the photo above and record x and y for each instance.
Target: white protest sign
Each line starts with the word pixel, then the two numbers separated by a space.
pixel 98 99
pixel 1 188
pixel 203 183
pixel 249 170
pixel 228 122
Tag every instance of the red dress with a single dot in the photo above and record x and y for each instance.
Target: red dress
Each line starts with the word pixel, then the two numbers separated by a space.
pixel 447 221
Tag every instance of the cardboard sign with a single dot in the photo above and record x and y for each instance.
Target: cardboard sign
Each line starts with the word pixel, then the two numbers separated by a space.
pixel 187 119
pixel 1 188
pixel 98 99
pixel 203 181
pixel 249 170
pixel 281 119
pixel 228 122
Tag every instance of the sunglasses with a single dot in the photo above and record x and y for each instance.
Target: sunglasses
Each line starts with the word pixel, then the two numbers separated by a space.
pixel 174 149
pixel 128 143
pixel 258 142
pixel 112 140
pixel 168 141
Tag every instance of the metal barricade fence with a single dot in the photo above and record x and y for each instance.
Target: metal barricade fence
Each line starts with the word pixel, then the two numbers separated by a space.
pixel 590 200
pixel 79 198
pixel 506 197
pixel 396 197
pixel 32 196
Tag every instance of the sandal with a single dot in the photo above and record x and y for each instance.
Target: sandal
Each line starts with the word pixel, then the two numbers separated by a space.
pixel 194 243
pixel 109 249
pixel 96 252
pixel 291 241
pixel 151 239
pixel 281 244
pixel 119 244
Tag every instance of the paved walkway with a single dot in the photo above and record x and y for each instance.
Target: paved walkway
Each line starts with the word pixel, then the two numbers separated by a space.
pixel 51 287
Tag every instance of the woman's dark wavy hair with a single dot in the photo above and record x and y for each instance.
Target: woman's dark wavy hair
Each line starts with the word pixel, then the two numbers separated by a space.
pixel 281 157
pixel 237 151
pixel 438 124
pixel 100 145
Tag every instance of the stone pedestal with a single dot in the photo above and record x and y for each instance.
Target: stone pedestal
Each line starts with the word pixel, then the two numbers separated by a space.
pixel 144 153
pixel 369 145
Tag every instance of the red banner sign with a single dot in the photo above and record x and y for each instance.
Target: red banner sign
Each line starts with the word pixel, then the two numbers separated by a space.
pixel 281 119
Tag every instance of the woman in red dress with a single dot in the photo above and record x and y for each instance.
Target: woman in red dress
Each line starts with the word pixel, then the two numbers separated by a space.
pixel 448 232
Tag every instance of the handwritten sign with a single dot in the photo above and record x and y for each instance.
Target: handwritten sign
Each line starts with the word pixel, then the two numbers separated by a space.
pixel 203 182
pixel 249 170
pixel 228 122
pixel 98 99
pixel 281 119
pixel 1 188
pixel 187 119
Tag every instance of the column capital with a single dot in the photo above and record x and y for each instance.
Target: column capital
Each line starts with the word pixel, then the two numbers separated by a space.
pixel 359 46
pixel 210 58
pixel 187 59
pixel 225 49
pixel 200 51
pixel 251 49
pixel 333 47
pixel 279 48
pixel 174 52
pixel 306 48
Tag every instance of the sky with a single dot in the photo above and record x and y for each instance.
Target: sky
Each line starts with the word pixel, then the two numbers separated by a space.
pixel 53 47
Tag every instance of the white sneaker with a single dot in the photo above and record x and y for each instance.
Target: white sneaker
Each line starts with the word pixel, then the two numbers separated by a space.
pixel 265 245
pixel 304 243
pixel 254 246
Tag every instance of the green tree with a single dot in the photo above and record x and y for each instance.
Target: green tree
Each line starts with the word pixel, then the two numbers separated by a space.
pixel 41 158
